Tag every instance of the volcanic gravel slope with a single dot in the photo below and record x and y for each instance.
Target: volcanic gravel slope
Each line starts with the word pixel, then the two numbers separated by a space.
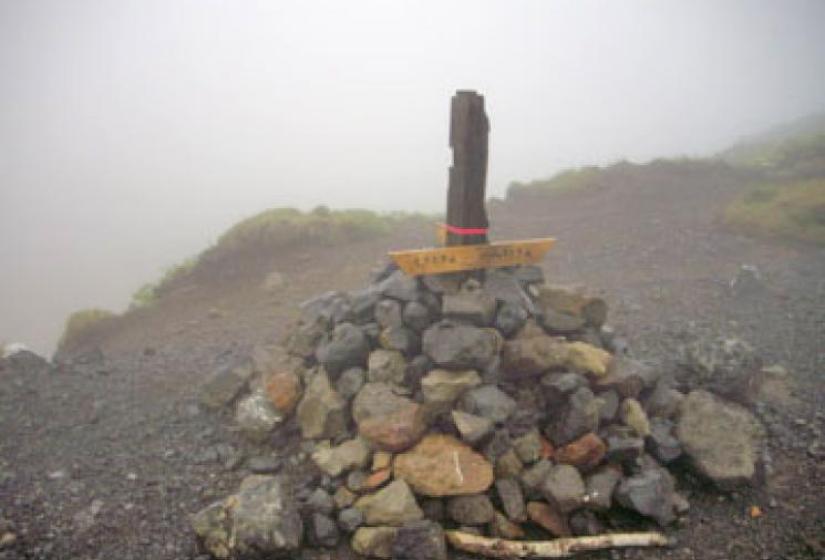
pixel 109 457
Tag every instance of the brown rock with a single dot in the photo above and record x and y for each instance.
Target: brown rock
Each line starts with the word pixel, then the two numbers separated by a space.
pixel 376 479
pixel 585 453
pixel 546 517
pixel 504 528
pixel 571 300
pixel 381 460
pixel 375 542
pixel 440 465
pixel 284 390
pixel 396 431
pixel 525 357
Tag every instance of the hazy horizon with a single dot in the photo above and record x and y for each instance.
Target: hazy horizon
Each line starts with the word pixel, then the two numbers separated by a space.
pixel 133 133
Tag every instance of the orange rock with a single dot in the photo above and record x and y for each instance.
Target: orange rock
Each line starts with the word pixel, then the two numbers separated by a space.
pixel 585 453
pixel 546 517
pixel 396 431
pixel 284 390
pixel 376 479
pixel 755 512
pixel 440 465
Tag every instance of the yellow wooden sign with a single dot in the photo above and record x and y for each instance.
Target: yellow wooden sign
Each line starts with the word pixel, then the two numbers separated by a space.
pixel 472 257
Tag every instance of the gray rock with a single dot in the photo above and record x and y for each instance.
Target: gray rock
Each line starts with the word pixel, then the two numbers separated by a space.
pixel 393 505
pixel 323 531
pixel 528 447
pixel 664 401
pixel 629 377
pixel 402 339
pixel 650 493
pixel 460 347
pixel 510 318
pixel 350 519
pixel 256 416
pixel 476 509
pixel 564 488
pixel 363 304
pixel 723 440
pixel 662 443
pixel 555 322
pixel 623 444
pixel 261 518
pixel 726 366
pixel 303 339
pixel 348 347
pixel 322 413
pixel 400 286
pixel 386 366
pixel 388 313
pixel 420 540
pixel 471 305
pixel 350 382
pixel 488 401
pixel 533 478
pixel 532 356
pixel 585 523
pixel 512 499
pixel 610 405
pixel 529 274
pixel 330 307
pixel 351 454
pixel 600 486
pixel 264 464
pixel 444 386
pixel 319 502
pixel 580 416
pixel 471 427
pixel 505 287
pixel 222 388
pixel 557 386
pixel 417 316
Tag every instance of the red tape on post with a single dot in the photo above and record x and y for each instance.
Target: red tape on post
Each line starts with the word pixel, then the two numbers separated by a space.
pixel 465 231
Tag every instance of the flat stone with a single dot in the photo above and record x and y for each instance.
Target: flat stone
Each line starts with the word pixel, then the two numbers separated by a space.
pixel 374 542
pixel 392 505
pixel 476 509
pixel 722 440
pixel 555 322
pixel 322 413
pixel 440 465
pixel 564 488
pixel 572 300
pixel 471 304
pixel 548 518
pixel 471 427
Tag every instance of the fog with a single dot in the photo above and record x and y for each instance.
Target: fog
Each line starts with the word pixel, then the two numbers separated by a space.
pixel 133 133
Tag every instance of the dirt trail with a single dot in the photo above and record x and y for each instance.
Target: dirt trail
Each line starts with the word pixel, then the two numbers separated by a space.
pixel 109 459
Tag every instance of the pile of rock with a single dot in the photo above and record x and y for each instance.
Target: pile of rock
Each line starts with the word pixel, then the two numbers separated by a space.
pixel 490 402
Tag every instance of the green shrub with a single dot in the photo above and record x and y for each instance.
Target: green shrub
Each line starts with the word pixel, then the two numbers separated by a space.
pixel 569 179
pixel 791 210
pixel 83 325
pixel 149 292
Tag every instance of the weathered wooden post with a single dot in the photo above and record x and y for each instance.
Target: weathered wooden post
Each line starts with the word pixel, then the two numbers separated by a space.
pixel 466 228
pixel 469 131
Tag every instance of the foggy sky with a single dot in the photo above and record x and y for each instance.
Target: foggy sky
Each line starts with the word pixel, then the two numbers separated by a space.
pixel 132 133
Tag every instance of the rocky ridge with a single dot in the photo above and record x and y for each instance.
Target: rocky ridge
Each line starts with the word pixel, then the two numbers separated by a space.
pixel 490 402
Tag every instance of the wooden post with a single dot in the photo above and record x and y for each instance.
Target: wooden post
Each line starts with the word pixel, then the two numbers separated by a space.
pixel 469 130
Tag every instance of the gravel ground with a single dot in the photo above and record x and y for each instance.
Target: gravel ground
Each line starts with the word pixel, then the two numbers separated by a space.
pixel 107 457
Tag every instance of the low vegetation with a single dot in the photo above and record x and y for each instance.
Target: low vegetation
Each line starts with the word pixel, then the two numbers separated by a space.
pixel 82 326
pixel 790 210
